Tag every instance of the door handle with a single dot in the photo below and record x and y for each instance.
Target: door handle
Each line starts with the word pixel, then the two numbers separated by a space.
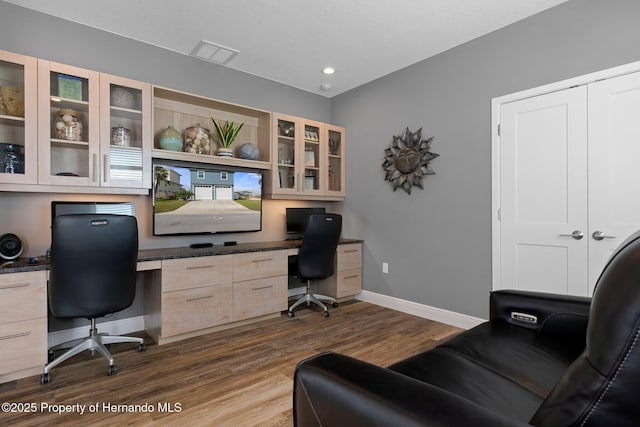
pixel 576 234
pixel 599 235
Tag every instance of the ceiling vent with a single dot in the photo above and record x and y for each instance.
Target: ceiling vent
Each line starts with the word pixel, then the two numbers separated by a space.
pixel 212 52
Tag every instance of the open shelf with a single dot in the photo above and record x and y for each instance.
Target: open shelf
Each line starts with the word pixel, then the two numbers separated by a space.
pixel 210 159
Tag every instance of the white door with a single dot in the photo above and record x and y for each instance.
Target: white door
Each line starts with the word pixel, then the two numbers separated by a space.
pixel 614 166
pixel 543 190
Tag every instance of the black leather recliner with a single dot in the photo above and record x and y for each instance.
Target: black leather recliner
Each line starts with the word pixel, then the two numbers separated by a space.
pixel 542 359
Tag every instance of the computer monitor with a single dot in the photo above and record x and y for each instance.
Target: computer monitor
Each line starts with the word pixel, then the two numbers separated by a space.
pixel 297 221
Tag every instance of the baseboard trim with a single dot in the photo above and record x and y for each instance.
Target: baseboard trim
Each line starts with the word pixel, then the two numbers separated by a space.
pixel 115 327
pixel 433 313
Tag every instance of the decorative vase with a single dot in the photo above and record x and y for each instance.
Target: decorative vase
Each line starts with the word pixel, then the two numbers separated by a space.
pixel 170 139
pixel 225 152
pixel 249 151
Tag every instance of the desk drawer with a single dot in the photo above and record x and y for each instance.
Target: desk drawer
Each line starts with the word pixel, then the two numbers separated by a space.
pixel 23 296
pixel 254 298
pixel 258 265
pixel 186 273
pixel 23 345
pixel 192 309
pixel 349 256
pixel 349 282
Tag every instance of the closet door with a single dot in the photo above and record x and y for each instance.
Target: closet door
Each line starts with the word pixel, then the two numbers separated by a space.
pixel 543 189
pixel 614 167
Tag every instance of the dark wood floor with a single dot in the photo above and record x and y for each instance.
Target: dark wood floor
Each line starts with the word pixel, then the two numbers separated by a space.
pixel 238 377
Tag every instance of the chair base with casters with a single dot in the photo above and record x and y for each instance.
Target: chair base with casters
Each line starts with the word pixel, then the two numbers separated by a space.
pixel 94 342
pixel 311 298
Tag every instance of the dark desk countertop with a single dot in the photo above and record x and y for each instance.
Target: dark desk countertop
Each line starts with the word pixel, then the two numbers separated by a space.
pixel 22 264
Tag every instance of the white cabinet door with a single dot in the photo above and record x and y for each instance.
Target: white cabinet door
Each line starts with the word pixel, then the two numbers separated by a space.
pixel 543 189
pixel 614 166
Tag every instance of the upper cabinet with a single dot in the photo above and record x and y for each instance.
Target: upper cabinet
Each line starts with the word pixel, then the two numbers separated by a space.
pixel 18 119
pixel 68 129
pixel 194 137
pixel 93 129
pixel 308 160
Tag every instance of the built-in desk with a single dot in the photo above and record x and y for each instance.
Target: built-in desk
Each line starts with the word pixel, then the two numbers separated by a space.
pixel 187 292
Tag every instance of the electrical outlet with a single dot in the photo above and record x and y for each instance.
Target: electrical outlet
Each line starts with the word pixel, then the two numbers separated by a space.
pixel 385 267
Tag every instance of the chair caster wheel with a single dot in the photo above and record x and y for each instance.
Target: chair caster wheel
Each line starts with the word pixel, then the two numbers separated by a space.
pixel 325 313
pixel 45 378
pixel 290 314
pixel 112 370
pixel 334 304
pixel 141 347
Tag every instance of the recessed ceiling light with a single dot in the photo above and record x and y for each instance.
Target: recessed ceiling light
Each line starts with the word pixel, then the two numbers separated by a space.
pixel 325 87
pixel 328 70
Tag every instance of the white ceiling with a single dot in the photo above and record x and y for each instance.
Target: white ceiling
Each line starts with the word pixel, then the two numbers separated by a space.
pixel 290 41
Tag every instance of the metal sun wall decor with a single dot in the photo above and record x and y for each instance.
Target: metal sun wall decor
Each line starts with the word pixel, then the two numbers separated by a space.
pixel 407 159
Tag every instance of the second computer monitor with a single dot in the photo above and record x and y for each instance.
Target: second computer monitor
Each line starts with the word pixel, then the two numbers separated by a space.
pixel 297 221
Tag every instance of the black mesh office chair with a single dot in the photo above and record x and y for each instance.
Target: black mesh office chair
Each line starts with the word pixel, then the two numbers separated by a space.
pixel 93 273
pixel 316 257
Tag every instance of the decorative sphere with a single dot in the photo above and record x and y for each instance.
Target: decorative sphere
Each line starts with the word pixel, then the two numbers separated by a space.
pixel 121 97
pixel 249 151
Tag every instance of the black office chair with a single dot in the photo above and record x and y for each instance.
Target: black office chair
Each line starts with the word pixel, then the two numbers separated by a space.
pixel 316 257
pixel 93 273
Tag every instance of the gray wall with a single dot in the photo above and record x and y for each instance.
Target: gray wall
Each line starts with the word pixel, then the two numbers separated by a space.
pixel 438 241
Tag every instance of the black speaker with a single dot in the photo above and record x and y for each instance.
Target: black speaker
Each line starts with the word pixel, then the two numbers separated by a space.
pixel 10 246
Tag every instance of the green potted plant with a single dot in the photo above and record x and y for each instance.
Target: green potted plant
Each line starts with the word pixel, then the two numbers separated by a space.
pixel 226 135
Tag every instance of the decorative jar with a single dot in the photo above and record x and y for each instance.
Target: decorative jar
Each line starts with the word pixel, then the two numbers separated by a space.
pixel 121 136
pixel 197 140
pixel 68 125
pixel 170 139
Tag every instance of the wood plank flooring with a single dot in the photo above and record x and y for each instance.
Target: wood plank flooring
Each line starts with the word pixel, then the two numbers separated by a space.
pixel 239 377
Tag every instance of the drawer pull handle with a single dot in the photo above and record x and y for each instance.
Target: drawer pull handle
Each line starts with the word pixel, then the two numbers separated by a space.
pixel 199 298
pixel 351 277
pixel 350 250
pixel 17 285
pixel 263 259
pixel 21 334
pixel 262 287
pixel 200 266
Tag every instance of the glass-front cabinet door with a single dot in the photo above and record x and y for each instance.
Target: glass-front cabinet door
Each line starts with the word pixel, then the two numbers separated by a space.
pixel 18 119
pixel 335 160
pixel 68 126
pixel 286 129
pixel 311 158
pixel 125 132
